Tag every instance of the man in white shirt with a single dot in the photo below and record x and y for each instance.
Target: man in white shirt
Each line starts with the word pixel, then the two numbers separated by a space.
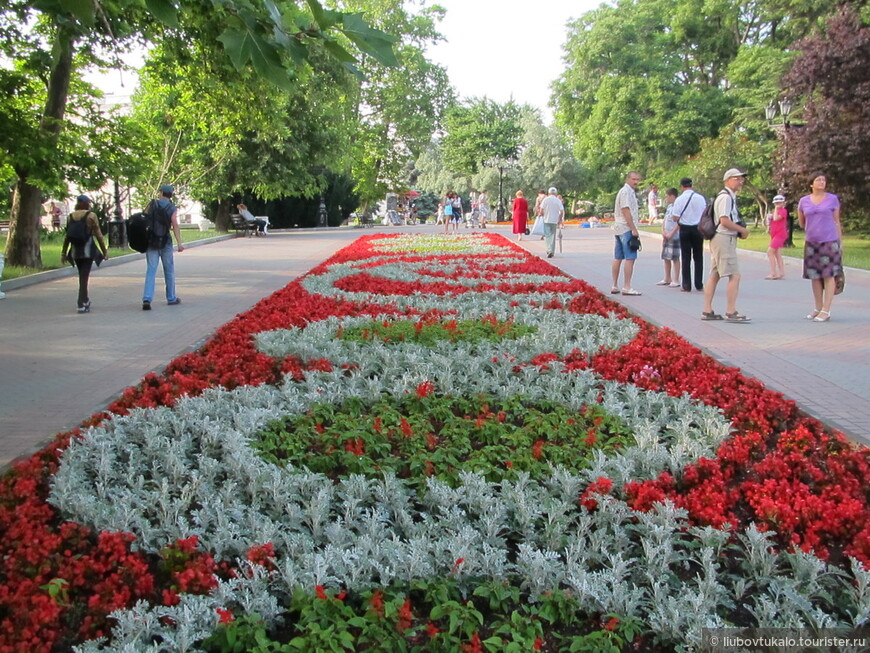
pixel 625 226
pixel 723 249
pixel 688 208
pixel 553 213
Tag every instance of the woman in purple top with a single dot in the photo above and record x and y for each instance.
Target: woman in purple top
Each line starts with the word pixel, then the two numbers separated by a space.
pixel 819 216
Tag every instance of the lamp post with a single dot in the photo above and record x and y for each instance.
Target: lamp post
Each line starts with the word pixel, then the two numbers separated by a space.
pixel 501 165
pixel 322 215
pixel 117 226
pixel 784 108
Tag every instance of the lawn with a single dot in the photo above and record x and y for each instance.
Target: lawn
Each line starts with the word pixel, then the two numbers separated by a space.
pixel 51 244
pixel 434 443
pixel 856 247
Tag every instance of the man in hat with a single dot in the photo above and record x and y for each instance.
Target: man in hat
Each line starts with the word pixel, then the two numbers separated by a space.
pixel 553 213
pixel 160 248
pixel 723 249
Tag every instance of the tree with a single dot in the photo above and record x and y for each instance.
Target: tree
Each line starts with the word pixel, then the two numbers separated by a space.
pixel 398 107
pixel 832 78
pixel 481 131
pixel 546 159
pixel 645 83
pixel 217 132
pixel 49 40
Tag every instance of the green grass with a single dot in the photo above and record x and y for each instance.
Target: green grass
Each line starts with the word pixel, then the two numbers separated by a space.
pixel 52 242
pixel 856 247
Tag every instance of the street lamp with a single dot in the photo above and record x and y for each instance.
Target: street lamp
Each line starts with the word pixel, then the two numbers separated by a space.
pixel 322 215
pixel 784 107
pixel 117 226
pixel 501 165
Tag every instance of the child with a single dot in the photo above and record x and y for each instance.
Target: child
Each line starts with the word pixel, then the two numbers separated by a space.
pixel 778 231
pixel 670 243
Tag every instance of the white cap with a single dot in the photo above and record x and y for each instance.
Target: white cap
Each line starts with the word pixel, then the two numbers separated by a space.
pixel 732 172
pixel 779 198
pixel 552 190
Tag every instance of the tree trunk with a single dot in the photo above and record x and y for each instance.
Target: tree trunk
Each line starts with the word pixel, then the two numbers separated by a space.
pixel 224 210
pixel 22 246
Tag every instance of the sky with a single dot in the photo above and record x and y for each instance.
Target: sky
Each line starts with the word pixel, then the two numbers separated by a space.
pixel 503 49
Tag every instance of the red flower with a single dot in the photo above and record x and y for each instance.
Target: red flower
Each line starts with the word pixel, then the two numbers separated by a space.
pixel 225 616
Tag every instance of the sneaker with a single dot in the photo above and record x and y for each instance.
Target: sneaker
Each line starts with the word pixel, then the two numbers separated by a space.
pixel 674 285
pixel 146 306
pixel 173 302
pixel 82 309
pixel 663 283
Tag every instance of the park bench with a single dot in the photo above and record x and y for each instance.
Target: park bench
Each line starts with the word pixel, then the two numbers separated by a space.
pixel 238 223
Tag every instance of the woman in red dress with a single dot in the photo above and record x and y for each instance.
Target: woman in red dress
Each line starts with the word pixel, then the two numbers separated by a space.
pixel 520 214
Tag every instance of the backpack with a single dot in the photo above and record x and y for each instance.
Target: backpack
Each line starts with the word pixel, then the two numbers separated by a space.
pixel 77 232
pixel 709 222
pixel 148 228
pixel 139 231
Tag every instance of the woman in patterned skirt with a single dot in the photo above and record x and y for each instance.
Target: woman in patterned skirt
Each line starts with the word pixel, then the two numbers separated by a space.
pixel 819 216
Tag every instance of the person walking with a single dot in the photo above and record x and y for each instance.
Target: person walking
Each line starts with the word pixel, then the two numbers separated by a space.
pixel 80 243
pixel 625 226
pixel 553 213
pixel 688 208
pixel 778 230
pixel 483 208
pixel 160 248
pixel 520 214
pixel 723 249
pixel 670 243
pixel 819 216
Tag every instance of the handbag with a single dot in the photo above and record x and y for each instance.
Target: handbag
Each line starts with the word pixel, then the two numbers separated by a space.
pixel 634 244
pixel 538 227
pixel 840 282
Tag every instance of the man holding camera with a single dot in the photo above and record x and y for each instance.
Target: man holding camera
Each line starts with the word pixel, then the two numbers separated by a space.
pixel 627 241
pixel 723 249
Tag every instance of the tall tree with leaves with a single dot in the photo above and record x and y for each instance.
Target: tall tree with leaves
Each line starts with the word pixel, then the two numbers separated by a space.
pixel 398 107
pixel 480 131
pixel 644 82
pixel 832 79
pixel 53 36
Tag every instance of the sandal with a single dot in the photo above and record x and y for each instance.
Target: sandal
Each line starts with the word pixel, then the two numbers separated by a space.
pixel 736 317
pixel 614 290
pixel 819 318
pixel 631 291
pixel 813 315
pixel 710 316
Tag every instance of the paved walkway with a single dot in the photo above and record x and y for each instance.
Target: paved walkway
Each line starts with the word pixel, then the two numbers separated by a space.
pixel 58 367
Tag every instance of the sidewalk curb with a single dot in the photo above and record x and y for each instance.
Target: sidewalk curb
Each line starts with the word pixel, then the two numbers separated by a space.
pixel 69 271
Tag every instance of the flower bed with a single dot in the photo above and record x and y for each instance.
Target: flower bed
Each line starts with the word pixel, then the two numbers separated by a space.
pixel 434 443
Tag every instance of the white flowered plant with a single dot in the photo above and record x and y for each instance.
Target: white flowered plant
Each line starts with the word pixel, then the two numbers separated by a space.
pixel 165 474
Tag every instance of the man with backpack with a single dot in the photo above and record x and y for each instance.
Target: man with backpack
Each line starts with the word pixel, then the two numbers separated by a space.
pixel 723 249
pixel 164 216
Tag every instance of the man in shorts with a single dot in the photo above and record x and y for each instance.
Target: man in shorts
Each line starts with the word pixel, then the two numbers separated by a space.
pixel 723 249
pixel 625 226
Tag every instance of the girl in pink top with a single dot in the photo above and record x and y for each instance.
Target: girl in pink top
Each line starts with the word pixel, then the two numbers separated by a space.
pixel 778 230
pixel 819 215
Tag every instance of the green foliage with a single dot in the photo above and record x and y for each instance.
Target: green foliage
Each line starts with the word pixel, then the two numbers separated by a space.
pixel 428 333
pixel 396 108
pixel 426 616
pixel 440 436
pixel 481 131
